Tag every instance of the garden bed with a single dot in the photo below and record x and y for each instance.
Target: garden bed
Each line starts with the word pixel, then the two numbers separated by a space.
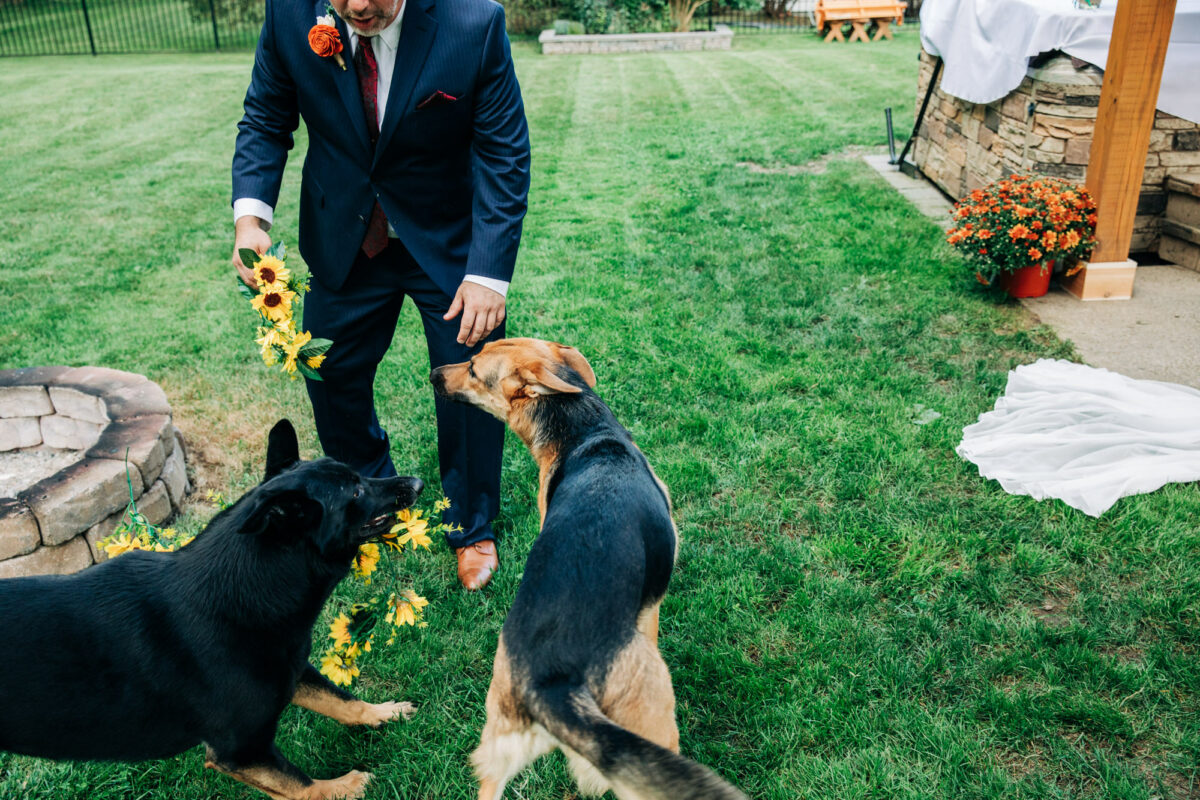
pixel 574 44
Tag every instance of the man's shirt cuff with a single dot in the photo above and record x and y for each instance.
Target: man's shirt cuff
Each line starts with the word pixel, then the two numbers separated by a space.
pixel 492 283
pixel 248 206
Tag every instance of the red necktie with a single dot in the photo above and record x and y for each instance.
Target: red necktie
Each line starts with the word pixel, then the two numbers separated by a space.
pixel 368 83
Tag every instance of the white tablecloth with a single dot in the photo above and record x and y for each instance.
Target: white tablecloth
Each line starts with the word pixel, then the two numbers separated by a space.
pixel 986 45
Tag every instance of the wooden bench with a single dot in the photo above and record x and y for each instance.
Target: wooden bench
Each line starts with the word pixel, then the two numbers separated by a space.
pixel 859 13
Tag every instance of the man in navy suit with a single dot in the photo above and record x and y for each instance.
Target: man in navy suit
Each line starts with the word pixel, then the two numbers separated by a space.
pixel 414 183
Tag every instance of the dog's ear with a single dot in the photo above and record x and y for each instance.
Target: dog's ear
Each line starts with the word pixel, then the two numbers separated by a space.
pixel 541 379
pixel 287 511
pixel 282 449
pixel 575 360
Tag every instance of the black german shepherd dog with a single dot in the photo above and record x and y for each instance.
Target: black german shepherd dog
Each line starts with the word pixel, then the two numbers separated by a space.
pixel 149 654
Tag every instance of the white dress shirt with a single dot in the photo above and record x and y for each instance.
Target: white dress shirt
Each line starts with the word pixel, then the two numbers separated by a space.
pixel 384 48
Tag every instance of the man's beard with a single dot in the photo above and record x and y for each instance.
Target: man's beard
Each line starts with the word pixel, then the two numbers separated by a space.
pixel 378 22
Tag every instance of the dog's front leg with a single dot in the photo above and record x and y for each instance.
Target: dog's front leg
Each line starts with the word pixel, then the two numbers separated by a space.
pixel 279 778
pixel 315 692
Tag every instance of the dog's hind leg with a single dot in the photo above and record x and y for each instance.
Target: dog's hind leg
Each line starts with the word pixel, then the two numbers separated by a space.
pixel 503 753
pixel 638 694
pixel 275 776
pixel 316 693
pixel 510 739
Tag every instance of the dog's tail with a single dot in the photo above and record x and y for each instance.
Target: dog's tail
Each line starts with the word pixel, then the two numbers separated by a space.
pixel 635 767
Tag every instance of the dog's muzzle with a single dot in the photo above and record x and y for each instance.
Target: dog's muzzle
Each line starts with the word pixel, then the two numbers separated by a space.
pixel 438 378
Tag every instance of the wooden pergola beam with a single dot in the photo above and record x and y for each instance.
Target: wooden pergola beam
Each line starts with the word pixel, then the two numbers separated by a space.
pixel 1128 97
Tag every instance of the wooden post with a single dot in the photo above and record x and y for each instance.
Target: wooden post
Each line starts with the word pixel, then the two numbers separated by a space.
pixel 1124 120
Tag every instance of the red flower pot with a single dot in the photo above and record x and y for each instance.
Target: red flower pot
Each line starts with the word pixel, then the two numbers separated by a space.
pixel 1027 281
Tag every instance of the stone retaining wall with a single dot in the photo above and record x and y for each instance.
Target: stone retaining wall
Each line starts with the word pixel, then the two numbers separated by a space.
pixel 1043 126
pixel 554 44
pixel 104 414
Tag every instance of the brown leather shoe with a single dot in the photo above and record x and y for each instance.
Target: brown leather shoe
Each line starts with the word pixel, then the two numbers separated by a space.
pixel 476 563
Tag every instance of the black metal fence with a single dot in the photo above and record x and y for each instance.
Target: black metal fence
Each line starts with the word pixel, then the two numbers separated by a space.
pixel 70 27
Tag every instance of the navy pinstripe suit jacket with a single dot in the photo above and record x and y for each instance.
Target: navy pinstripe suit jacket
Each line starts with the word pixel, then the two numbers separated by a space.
pixel 452 177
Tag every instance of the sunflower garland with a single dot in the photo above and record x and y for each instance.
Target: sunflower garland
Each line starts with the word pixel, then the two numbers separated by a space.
pixel 134 532
pixel 277 301
pixel 353 631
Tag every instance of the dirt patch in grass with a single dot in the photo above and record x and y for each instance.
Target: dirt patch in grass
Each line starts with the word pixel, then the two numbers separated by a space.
pixel 795 530
pixel 1053 610
pixel 1019 765
pixel 1126 654
pixel 818 166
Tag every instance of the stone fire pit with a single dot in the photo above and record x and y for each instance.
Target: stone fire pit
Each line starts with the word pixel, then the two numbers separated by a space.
pixel 64 434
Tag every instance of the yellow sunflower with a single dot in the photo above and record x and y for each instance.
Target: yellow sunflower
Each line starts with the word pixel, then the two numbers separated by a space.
pixel 339 631
pixel 314 362
pixel 270 338
pixel 415 527
pixel 407 608
pixel 292 350
pixel 366 561
pixel 356 649
pixel 274 304
pixel 270 271
pixel 341 671
pixel 121 544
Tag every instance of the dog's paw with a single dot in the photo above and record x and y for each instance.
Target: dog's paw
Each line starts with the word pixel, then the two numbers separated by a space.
pixel 350 786
pixel 379 713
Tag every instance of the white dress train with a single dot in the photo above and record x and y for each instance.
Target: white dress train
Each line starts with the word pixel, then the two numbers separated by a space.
pixel 1086 436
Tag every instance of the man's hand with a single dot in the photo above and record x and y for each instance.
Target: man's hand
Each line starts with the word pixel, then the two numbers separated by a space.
pixel 482 310
pixel 250 233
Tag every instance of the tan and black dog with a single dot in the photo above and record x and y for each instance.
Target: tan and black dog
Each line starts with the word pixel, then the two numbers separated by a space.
pixel 577 666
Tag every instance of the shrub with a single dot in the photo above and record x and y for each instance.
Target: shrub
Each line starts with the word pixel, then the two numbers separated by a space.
pixel 235 13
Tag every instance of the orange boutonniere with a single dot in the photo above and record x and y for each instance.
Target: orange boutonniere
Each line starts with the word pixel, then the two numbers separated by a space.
pixel 325 40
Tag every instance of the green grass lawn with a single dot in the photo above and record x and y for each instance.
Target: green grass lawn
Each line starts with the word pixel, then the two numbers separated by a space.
pixel 855 612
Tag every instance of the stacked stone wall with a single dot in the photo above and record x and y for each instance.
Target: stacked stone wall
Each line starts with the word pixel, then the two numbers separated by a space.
pixel 1044 126
pixel 553 44
pixel 119 424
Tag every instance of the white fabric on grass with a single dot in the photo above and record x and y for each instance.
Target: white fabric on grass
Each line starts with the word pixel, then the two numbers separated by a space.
pixel 1086 436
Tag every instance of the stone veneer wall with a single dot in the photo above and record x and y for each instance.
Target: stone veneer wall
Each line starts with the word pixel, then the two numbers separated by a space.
pixel 53 525
pixel 553 44
pixel 1043 126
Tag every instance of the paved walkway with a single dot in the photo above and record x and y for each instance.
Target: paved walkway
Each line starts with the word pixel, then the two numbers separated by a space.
pixel 1155 335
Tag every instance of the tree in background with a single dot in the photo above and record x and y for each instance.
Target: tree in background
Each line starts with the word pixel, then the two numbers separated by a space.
pixel 682 12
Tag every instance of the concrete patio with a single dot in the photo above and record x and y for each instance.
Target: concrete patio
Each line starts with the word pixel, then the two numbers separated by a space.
pixel 1155 335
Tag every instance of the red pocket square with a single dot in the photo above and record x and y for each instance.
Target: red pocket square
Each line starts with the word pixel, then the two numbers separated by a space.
pixel 438 98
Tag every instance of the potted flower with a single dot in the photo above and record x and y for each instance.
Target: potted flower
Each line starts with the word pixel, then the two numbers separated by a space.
pixel 1014 230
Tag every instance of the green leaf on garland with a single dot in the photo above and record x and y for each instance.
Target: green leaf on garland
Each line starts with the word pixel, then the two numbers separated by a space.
pixel 244 290
pixel 278 250
pixel 315 347
pixel 249 258
pixel 307 371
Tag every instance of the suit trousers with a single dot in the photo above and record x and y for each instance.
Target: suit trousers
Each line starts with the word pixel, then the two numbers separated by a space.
pixel 360 318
